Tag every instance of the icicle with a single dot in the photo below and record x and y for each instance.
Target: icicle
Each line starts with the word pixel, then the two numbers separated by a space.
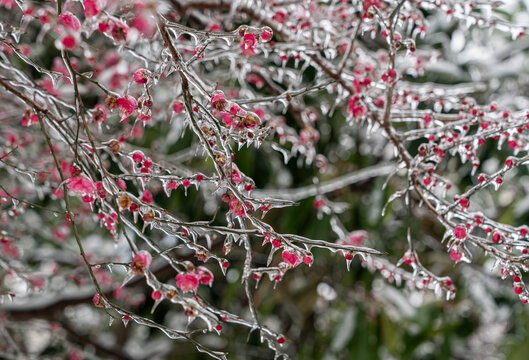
pixel 348 264
pixel 127 278
pixel 156 303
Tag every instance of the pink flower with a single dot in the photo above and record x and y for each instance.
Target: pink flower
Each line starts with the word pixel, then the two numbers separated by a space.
pixel 8 4
pixel 100 114
pixel 81 185
pixel 88 198
pixel 236 176
pixel 68 42
pixel 187 282
pixel 455 255
pixel 69 20
pixel 101 191
pixel 290 258
pixel 214 27
pixel 319 202
pixel 496 237
pixel 460 232
pixel 266 35
pixel 205 276
pixel 119 31
pixel 218 101
pixel 103 27
pixel 357 237
pixel 178 107
pixel 91 8
pixel 141 262
pixel 355 107
pixel 227 119
pixel 249 40
pixel 47 85
pixel 144 25
pixel 97 300
pixel 36 282
pixel 137 157
pixel 147 197
pixel 127 107
pixel 248 52
pixel 33 119
pixel 280 17
pixel 237 208
pixel 141 76
pixel 234 109
pixel 9 249
pixel 156 295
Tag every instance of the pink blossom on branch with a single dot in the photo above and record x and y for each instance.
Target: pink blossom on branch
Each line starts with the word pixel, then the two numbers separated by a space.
pixel 141 262
pixel 81 185
pixel 91 8
pixel 187 282
pixel 70 21
pixel 126 106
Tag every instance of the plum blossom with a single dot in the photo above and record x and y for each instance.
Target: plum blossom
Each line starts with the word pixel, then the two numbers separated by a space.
pixel 205 275
pixel 119 31
pixel 218 101
pixel 178 107
pixel 141 262
pixel 355 238
pixel 97 300
pixel 126 106
pixel 81 185
pixel 236 207
pixel 29 120
pixel 141 76
pixel 248 44
pixel 187 282
pixel 100 114
pixel 69 20
pixel 266 35
pixel 455 255
pixel 66 42
pixel 156 295
pixel 460 232
pixel 91 8
pixel 290 258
